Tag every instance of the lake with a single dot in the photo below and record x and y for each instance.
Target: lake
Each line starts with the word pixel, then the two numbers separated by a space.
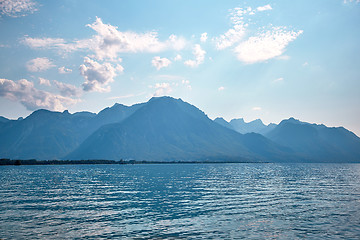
pixel 180 201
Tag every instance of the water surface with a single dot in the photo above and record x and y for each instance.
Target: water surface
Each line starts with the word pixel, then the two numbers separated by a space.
pixel 180 201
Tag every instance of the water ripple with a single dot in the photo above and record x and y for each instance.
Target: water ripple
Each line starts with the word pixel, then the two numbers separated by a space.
pixel 184 201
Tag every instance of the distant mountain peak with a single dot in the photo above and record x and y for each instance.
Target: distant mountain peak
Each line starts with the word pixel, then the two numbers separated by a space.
pixel 40 113
pixel 240 120
pixel 291 120
pixel 258 121
pixel 165 98
pixel 220 119
pixel 118 105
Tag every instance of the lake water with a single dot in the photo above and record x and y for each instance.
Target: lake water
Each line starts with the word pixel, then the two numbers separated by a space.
pixel 180 201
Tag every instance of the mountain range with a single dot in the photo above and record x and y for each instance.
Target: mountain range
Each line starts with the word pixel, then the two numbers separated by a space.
pixel 168 129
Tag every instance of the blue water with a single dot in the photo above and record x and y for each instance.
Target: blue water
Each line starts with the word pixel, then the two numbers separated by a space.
pixel 180 201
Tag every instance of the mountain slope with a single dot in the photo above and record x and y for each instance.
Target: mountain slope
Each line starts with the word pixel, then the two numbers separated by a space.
pixel 256 126
pixel 317 142
pixel 42 135
pixel 223 123
pixel 166 129
pixel 51 135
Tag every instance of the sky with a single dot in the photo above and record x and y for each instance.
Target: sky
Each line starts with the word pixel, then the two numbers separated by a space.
pixel 234 59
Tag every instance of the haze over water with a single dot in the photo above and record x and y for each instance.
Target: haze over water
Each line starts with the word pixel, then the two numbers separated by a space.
pixel 186 201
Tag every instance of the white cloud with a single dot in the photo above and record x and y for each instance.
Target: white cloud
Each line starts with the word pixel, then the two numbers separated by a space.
pixel 39 64
pixel 186 83
pixel 43 42
pixel 264 8
pixel 67 90
pixel 237 14
pixel 32 98
pixel 306 63
pixel 203 37
pixel 98 75
pixel 177 57
pixel 260 46
pixel 281 79
pixel 162 89
pixel 199 55
pixel 221 88
pixel 43 81
pixel 231 37
pixel 17 8
pixel 159 63
pixel 265 46
pixel 57 43
pixel 256 108
pixel 109 41
pixel 238 31
pixel 64 70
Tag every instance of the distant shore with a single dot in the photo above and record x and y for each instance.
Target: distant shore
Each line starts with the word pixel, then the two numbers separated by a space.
pixel 15 162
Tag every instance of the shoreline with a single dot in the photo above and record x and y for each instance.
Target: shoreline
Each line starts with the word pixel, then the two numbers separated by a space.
pixel 17 162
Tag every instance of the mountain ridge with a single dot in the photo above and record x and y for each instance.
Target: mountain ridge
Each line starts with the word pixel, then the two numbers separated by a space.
pixel 168 129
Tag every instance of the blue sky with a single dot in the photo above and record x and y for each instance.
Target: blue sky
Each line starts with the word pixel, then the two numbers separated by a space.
pixel 253 59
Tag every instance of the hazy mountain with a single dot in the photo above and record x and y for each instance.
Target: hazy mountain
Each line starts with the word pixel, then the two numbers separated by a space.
pixel 239 125
pixel 42 135
pixel 115 114
pixel 3 119
pixel 167 129
pixel 317 142
pixel 223 123
pixel 51 135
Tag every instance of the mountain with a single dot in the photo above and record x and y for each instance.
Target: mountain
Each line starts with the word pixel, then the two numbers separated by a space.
pixel 223 123
pixel 239 125
pixel 168 129
pixel 317 142
pixel 42 135
pixel 3 119
pixel 51 135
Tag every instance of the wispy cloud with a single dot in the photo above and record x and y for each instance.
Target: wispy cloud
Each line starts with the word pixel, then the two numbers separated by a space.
pixel 261 46
pixel 39 64
pixel 162 89
pixel 256 108
pixel 264 8
pixel 109 41
pixel 278 80
pixel 350 1
pixel 126 96
pixel 266 46
pixel 186 83
pixel 17 8
pixel 230 37
pixel 199 55
pixel 24 92
pixel 221 88
pixel 67 90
